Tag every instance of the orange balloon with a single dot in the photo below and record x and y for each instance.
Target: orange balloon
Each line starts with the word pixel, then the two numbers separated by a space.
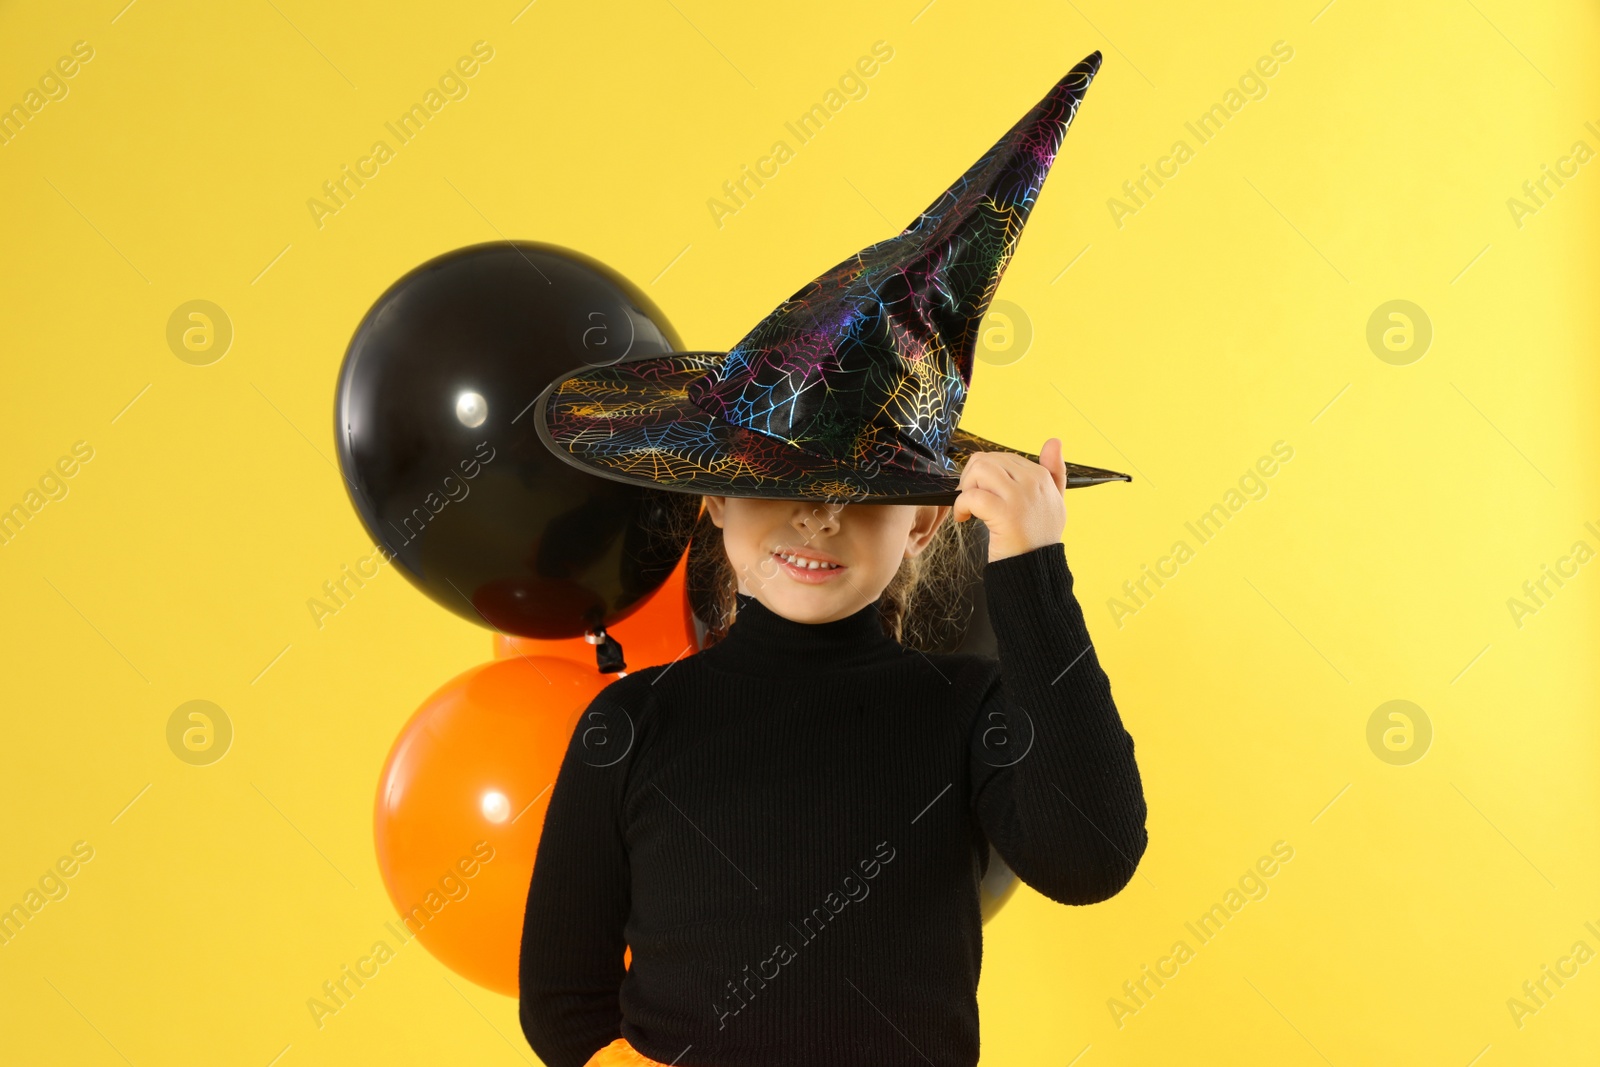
pixel 461 802
pixel 659 631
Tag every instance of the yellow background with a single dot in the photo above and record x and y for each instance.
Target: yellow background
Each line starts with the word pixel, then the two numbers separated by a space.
pixel 1229 313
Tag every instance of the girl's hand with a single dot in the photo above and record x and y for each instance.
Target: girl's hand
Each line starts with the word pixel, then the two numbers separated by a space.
pixel 1020 501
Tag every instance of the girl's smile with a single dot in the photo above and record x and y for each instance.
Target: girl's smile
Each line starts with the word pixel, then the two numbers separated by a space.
pixel 812 561
pixel 808 565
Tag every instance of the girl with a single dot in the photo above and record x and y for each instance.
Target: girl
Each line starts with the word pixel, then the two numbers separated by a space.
pixel 788 829
pixel 785 833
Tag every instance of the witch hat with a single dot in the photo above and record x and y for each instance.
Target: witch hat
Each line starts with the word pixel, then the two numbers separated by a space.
pixel 853 387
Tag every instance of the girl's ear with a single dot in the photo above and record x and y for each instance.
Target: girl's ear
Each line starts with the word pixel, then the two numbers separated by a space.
pixel 716 507
pixel 929 519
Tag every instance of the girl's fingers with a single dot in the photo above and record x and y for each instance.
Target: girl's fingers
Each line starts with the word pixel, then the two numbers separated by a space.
pixel 1037 475
pixel 1050 459
pixel 970 469
pixel 1015 497
pixel 1027 476
pixel 984 503
pixel 987 471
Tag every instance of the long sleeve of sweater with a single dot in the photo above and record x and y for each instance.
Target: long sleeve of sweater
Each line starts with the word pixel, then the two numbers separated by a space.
pixel 571 963
pixel 1055 785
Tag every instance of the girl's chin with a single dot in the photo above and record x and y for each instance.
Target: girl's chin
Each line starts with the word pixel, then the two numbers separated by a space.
pixel 814 603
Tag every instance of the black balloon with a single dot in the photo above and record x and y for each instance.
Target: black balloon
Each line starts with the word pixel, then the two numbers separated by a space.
pixel 433 417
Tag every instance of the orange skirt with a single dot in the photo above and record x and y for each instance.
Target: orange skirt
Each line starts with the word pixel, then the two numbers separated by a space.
pixel 621 1054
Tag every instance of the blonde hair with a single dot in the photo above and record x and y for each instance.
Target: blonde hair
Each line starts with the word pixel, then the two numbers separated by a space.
pixel 926 605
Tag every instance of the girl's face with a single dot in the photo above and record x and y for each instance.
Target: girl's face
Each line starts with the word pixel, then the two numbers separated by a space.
pixel 814 562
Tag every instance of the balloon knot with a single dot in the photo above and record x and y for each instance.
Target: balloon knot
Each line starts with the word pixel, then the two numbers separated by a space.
pixel 607 653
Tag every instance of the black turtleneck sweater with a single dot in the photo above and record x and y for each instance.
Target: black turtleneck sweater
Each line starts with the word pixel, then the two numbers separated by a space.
pixel 788 830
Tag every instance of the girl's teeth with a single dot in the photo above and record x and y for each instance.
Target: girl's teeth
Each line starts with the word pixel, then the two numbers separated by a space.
pixel 809 564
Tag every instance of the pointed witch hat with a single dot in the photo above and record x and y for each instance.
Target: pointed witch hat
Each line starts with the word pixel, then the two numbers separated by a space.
pixel 853 387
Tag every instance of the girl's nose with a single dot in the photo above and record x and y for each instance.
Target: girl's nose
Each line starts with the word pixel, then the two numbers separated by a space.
pixel 815 519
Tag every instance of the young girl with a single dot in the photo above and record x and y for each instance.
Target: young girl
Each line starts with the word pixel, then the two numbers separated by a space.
pixel 787 830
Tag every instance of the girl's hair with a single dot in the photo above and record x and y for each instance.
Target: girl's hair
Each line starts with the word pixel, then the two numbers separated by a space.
pixel 926 605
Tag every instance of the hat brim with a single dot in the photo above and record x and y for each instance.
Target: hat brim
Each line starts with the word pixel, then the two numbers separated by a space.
pixel 633 422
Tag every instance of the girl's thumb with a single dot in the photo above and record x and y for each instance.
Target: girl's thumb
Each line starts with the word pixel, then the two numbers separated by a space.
pixel 1050 459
